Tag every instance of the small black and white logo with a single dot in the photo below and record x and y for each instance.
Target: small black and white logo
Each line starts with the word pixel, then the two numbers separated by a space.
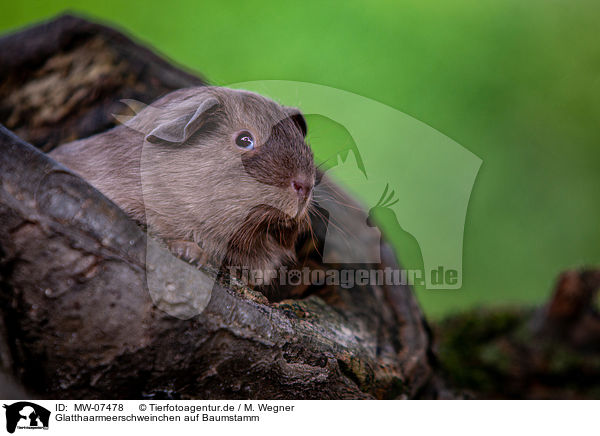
pixel 26 416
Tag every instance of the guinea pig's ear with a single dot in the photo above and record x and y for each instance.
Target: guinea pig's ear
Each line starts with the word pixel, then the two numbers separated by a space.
pixel 179 130
pixel 298 119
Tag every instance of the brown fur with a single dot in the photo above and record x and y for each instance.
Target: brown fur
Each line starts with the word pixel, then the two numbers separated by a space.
pixel 238 205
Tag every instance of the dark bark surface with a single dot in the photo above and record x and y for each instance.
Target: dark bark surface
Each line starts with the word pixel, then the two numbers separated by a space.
pixel 77 318
pixel 64 79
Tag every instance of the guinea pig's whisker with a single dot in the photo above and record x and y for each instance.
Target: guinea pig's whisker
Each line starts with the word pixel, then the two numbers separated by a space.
pixel 328 196
pixel 324 196
pixel 314 239
pixel 328 221
pixel 268 226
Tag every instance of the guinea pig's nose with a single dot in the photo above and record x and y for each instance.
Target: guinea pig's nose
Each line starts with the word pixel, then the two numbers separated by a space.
pixel 301 187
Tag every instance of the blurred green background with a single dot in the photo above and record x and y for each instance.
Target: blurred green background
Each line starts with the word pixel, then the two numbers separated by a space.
pixel 517 83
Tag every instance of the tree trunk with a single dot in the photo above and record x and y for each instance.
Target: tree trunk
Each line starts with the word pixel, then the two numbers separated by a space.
pixel 77 317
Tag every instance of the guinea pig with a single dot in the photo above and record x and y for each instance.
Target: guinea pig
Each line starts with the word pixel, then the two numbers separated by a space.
pixel 223 176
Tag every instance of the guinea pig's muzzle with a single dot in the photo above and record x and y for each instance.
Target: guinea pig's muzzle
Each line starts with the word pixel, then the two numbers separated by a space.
pixel 302 187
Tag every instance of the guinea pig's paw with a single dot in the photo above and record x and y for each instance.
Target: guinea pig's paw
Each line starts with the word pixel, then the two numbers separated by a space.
pixel 188 251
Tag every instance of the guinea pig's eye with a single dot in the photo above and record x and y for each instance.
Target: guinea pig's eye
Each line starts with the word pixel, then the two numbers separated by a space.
pixel 245 140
